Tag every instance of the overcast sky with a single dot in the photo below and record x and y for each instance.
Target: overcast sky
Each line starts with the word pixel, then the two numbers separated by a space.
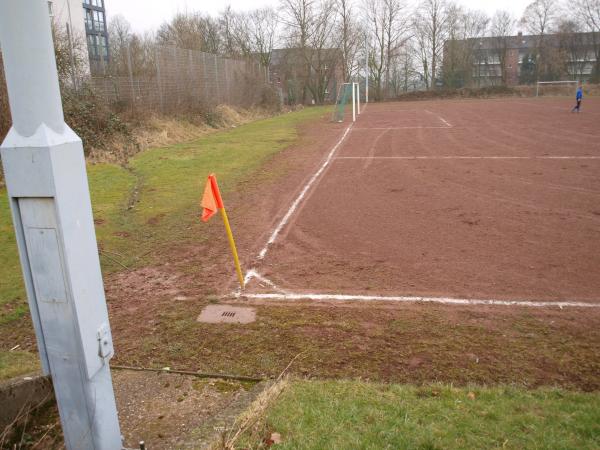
pixel 149 14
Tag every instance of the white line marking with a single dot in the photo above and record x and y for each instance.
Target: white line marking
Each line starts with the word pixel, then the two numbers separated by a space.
pixel 401 128
pixel 301 196
pixel 439 117
pixel 405 299
pixel 467 157
pixel 252 273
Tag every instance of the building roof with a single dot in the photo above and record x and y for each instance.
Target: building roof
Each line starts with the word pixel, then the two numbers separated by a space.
pixel 524 42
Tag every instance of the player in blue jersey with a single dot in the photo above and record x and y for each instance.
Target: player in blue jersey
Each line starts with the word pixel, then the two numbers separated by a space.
pixel 578 98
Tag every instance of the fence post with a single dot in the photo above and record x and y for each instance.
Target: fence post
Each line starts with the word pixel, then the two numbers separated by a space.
pixel 217 78
pixel 227 89
pixel 190 84
pixel 158 79
pixel 130 70
pixel 177 83
pixel 205 77
pixel 48 192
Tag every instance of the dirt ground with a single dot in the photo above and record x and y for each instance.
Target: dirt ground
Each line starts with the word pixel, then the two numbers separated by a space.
pixel 494 199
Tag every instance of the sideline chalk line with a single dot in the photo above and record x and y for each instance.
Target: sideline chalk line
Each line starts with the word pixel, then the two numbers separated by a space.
pixel 408 299
pixel 402 128
pixel 467 157
pixel 448 125
pixel 301 196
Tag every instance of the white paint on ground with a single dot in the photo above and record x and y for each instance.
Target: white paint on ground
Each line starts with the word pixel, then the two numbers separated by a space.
pixel 301 196
pixel 252 273
pixel 402 128
pixel 467 157
pixel 408 299
pixel 448 125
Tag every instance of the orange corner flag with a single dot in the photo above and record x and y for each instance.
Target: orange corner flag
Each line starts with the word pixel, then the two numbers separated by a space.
pixel 211 200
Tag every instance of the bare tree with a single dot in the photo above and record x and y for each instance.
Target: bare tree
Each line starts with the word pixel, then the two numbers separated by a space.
pixel 119 30
pixel 431 30
pixel 71 56
pixel 538 18
pixel 388 31
pixel 587 12
pixel 465 29
pixel 298 17
pixel 502 27
pixel 321 55
pixel 377 20
pixel 235 29
pixel 395 36
pixel 262 29
pixel 350 37
pixel 191 31
pixel 310 26
pixel 573 48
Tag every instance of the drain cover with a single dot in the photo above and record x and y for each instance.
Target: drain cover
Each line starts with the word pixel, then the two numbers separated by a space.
pixel 227 314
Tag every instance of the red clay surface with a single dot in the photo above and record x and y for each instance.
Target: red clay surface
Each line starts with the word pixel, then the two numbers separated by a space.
pixel 400 211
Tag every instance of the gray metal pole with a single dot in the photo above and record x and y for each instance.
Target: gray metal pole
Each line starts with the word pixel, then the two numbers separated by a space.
pixel 366 70
pixel 47 186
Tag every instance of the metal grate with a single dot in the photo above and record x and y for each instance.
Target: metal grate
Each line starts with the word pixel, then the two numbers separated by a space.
pixel 228 314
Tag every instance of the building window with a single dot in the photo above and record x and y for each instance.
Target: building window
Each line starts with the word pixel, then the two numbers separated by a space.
pixel 50 9
pixel 99 20
pixel 103 46
pixel 88 19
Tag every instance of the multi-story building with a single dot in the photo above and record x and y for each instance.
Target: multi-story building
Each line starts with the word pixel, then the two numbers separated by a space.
pixel 520 59
pixel 96 33
pixel 83 22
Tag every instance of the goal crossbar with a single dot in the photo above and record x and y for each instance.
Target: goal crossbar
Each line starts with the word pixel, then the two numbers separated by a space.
pixel 559 82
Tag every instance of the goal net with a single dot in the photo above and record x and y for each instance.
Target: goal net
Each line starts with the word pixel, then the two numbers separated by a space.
pixel 343 97
pixel 555 88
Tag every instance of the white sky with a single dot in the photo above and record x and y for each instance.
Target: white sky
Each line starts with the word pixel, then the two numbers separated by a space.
pixel 149 14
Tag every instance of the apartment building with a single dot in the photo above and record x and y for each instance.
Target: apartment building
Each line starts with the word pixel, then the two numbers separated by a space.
pixel 521 59
pixel 84 22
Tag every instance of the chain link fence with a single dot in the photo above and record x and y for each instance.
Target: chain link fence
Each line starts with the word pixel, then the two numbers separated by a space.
pixel 172 79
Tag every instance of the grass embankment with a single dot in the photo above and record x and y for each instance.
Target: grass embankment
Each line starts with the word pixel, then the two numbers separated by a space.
pixel 150 204
pixel 353 414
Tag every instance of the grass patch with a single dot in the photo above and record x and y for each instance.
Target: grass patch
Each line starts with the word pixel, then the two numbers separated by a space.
pixel 354 414
pixel 12 302
pixel 153 203
pixel 13 364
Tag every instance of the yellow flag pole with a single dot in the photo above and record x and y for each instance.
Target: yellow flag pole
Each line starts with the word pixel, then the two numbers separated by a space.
pixel 212 200
pixel 236 259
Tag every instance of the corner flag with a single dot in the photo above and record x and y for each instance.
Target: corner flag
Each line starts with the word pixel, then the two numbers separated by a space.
pixel 211 202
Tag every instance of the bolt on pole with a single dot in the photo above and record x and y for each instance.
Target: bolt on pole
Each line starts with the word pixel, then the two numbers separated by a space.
pixel 46 182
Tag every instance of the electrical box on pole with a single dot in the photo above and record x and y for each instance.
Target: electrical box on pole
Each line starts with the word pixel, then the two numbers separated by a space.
pixel 46 181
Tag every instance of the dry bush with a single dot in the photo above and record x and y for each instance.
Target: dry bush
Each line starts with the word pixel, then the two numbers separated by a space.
pixel 484 92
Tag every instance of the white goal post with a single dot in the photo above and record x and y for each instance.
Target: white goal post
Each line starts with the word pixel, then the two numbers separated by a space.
pixel 568 85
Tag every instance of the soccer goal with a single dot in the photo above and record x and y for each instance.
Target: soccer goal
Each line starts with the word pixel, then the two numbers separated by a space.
pixel 555 88
pixel 348 93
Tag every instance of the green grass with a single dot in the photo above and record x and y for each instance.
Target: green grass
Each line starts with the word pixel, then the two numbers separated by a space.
pixel 15 363
pixel 12 304
pixel 359 415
